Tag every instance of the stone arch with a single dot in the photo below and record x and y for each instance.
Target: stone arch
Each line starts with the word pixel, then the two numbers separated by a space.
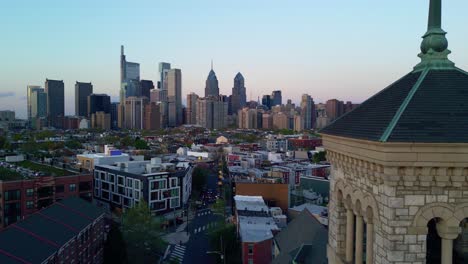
pixel 370 203
pixel 442 211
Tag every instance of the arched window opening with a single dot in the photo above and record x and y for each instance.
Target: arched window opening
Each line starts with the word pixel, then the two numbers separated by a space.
pixel 460 245
pixel 433 243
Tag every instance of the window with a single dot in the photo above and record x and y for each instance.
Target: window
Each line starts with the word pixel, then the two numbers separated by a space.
pixel 175 193
pixel 155 196
pixel 12 195
pixel 160 184
pixel 137 184
pixel 29 192
pixel 112 178
pixel 174 203
pixel 72 187
pixel 174 182
pixel 120 180
pixel 129 182
pixel 59 188
pixel 251 247
pixel 29 204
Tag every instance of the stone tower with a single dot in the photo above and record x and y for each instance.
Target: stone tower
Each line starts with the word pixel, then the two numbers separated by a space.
pixel 399 189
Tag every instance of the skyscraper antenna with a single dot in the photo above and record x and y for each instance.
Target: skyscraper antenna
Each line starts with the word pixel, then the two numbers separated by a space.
pixel 121 50
pixel 211 64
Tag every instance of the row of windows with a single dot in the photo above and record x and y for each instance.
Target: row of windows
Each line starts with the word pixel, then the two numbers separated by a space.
pixel 16 194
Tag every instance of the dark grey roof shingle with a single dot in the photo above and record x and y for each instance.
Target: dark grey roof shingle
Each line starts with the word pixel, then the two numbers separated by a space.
pixel 436 113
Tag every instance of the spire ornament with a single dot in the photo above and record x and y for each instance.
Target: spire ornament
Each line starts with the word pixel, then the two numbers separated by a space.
pixel 434 47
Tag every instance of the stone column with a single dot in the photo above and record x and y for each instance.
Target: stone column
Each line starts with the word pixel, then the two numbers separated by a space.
pixel 349 235
pixel 447 235
pixel 359 239
pixel 370 243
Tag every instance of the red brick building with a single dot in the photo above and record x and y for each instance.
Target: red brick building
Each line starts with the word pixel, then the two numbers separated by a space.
pixel 258 252
pixel 20 198
pixel 304 143
pixel 69 231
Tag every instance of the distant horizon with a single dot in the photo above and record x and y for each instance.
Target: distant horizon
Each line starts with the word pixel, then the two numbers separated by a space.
pixel 346 51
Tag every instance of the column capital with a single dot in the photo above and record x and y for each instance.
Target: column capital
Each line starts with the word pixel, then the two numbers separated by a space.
pixel 448 232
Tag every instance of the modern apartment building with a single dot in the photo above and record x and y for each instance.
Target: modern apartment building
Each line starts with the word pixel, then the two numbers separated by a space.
pixel 164 186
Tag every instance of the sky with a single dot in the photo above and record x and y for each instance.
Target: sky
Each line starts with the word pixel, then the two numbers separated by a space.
pixel 341 49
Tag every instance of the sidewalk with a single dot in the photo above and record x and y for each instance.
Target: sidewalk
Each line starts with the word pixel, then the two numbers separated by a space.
pixel 179 236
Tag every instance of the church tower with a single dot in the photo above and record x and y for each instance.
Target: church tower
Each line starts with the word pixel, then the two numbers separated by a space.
pixel 399 181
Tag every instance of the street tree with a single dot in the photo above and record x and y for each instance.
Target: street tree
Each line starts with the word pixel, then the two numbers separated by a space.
pixel 142 234
pixel 199 178
pixel 319 156
pixel 115 251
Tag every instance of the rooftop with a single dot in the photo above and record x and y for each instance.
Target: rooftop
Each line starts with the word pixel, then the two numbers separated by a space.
pixel 250 203
pixel 40 235
pixel 28 169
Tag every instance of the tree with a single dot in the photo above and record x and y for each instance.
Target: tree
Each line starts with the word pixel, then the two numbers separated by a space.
pixel 127 141
pixel 224 240
pixel 115 249
pixel 199 178
pixel 73 144
pixel 2 141
pixel 141 144
pixel 142 234
pixel 319 156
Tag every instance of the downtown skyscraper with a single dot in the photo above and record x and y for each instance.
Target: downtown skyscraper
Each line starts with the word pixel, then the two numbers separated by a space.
pixel 239 97
pixel 30 90
pixel 82 91
pixel 173 83
pixel 308 112
pixel 55 102
pixel 211 87
pixel 129 77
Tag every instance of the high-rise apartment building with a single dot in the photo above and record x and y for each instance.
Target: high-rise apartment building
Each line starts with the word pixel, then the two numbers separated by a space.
pixel 30 90
pixel 55 102
pixel 101 120
pixel 267 121
pixel 334 108
pixel 173 83
pixel 276 98
pixel 38 102
pixel 155 95
pixel 239 97
pixel 82 91
pixel 152 116
pixel 164 68
pixel 308 112
pixel 249 118
pixel 211 87
pixel 192 108
pixel 99 102
pixel 134 112
pixel 212 112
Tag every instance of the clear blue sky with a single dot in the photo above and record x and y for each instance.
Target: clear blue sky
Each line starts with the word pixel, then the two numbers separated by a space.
pixel 340 49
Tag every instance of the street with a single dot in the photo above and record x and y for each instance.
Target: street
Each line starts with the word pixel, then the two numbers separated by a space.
pixel 202 221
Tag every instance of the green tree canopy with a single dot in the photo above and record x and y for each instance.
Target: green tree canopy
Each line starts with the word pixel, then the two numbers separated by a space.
pixel 199 178
pixel 142 234
pixel 224 239
pixel 319 156
pixel 141 144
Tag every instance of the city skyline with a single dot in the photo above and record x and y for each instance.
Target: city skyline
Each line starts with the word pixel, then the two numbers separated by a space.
pixel 311 68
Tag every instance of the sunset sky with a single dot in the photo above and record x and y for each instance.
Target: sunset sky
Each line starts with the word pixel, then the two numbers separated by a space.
pixel 341 49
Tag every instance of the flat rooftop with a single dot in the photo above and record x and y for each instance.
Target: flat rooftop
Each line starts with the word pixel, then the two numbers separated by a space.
pixel 28 170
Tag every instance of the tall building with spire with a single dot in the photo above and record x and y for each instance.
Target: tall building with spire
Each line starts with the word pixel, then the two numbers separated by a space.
pixel 129 77
pixel 239 97
pixel 398 184
pixel 211 87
